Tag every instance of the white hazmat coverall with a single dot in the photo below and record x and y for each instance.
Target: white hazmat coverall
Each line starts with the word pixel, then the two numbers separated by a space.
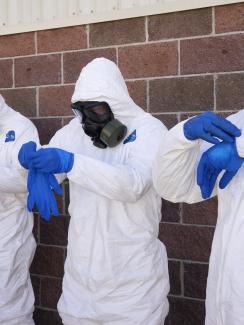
pixel 17 244
pixel 174 176
pixel 116 269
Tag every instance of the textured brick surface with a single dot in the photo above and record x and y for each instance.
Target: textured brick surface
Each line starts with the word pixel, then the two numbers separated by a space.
pixel 169 120
pixel 180 24
pixel 229 18
pixel 186 242
pixel 16 45
pixel 36 283
pixel 170 211
pixel 48 261
pixel 181 94
pixel 38 70
pixel 195 280
pixel 229 92
pixel 185 116
pixel 118 32
pixel 62 39
pixel 6 68
pixel 138 91
pixel 149 60
pixel 67 198
pixel 74 62
pixel 51 290
pixel 55 232
pixel 46 317
pixel 22 100
pixel 213 54
pixel 47 127
pixel 185 312
pixel 55 101
pixel 203 213
pixel 153 78
pixel 175 277
pixel 36 227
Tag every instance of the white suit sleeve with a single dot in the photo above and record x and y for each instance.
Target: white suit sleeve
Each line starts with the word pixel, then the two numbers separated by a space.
pixel 238 120
pixel 127 181
pixel 13 177
pixel 174 169
pixel 240 145
pixel 56 142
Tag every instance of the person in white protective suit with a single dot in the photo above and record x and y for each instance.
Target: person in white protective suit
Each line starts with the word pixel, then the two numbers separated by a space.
pixel 116 269
pixel 176 173
pixel 17 244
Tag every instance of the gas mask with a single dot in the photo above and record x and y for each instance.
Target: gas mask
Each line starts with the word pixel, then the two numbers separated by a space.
pixel 98 122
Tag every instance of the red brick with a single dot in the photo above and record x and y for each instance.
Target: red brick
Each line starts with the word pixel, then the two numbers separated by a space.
pixel 170 211
pixel 38 70
pixel 187 242
pixel 36 284
pixel 67 197
pixel 185 116
pixel 47 127
pixel 17 44
pixel 212 54
pixel 203 213
pixel 181 94
pixel 175 277
pixel 66 120
pixel 229 92
pixel 169 120
pixel 51 290
pixel 48 261
pixel 150 60
pixel 180 24
pixel 55 232
pixel 138 92
pixel 46 317
pixel 55 101
pixel 195 280
pixel 74 62
pixel 185 312
pixel 22 100
pixel 36 227
pixel 60 203
pixel 6 68
pixel 229 18
pixel 117 32
pixel 62 39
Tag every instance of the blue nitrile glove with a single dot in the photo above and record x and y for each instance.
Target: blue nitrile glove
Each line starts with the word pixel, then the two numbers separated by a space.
pixel 209 126
pixel 25 154
pixel 53 160
pixel 41 187
pixel 222 156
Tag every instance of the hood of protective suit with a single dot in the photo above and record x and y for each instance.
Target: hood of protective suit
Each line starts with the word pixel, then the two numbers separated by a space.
pixel 101 80
pixel 5 110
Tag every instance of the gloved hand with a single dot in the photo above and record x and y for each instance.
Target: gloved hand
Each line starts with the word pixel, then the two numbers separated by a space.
pixel 40 187
pixel 208 126
pixel 25 154
pixel 52 160
pixel 223 156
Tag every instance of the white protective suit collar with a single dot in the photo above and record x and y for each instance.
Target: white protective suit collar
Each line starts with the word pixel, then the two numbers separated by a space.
pixel 5 111
pixel 101 80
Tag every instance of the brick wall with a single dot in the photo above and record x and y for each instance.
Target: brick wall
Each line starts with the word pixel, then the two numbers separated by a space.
pixel 175 65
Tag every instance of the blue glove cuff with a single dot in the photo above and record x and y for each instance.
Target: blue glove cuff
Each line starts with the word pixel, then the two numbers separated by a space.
pixel 187 130
pixel 66 161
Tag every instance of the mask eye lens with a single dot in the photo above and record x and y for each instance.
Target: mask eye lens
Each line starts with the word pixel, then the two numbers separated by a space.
pixel 99 110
